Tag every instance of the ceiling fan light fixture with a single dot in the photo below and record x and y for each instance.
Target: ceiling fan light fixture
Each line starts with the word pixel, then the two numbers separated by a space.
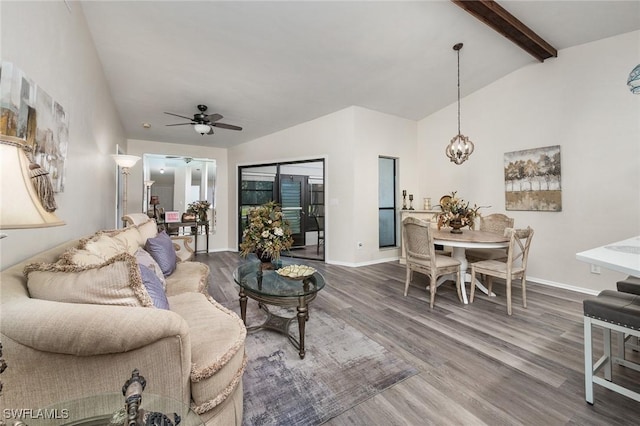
pixel 203 129
pixel 460 147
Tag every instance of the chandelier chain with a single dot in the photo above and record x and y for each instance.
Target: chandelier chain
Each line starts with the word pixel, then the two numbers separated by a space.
pixel 458 51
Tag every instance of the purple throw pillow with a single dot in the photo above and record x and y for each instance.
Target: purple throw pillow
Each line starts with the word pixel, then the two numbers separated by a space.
pixel 154 287
pixel 162 251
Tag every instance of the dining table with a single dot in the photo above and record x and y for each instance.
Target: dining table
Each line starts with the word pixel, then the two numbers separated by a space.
pixel 459 242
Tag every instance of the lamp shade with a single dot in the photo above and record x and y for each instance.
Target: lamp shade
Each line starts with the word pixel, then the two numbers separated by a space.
pixel 125 160
pixel 20 206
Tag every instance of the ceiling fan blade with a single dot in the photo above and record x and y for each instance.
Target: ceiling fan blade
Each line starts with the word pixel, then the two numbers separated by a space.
pixel 210 132
pixel 181 116
pixel 178 124
pixel 214 117
pixel 226 126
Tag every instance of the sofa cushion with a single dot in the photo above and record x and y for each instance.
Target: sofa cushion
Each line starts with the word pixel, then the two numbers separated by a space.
pixel 116 241
pixel 161 249
pixel 102 246
pixel 144 258
pixel 115 282
pixel 82 257
pixel 188 277
pixel 148 229
pixel 217 348
pixel 154 287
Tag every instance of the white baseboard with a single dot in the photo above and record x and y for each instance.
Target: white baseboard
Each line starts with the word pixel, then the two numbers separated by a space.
pixel 367 263
pixel 563 286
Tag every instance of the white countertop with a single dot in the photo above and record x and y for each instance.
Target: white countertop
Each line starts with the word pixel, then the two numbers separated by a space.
pixel 622 256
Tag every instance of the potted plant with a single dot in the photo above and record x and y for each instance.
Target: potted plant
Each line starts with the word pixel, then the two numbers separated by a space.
pixel 267 234
pixel 200 209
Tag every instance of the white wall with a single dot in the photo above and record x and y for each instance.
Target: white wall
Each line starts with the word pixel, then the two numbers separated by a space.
pixel 52 45
pixel 379 134
pixel 350 140
pixel 219 240
pixel 579 101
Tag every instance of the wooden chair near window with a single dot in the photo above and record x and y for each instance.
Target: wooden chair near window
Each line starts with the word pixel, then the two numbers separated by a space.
pixel 497 223
pixel 320 229
pixel 421 256
pixel 515 266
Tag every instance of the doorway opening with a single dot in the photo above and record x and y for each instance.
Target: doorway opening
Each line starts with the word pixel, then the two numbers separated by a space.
pixel 298 187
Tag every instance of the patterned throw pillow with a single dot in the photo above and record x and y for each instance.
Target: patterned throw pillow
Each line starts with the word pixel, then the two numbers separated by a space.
pixel 144 258
pixel 162 251
pixel 154 287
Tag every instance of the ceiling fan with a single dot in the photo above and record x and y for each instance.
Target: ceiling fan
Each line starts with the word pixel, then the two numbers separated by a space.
pixel 204 123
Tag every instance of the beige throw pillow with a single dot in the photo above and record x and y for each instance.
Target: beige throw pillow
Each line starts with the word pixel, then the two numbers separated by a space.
pixel 115 282
pixel 102 246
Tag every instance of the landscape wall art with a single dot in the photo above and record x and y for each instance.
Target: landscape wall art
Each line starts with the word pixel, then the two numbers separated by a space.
pixel 532 179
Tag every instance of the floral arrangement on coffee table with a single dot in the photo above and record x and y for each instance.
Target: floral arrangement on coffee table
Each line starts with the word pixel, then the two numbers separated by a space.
pixel 267 233
pixel 456 213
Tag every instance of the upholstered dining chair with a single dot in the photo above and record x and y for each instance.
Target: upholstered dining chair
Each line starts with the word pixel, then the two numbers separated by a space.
pixel 514 268
pixel 496 223
pixel 421 256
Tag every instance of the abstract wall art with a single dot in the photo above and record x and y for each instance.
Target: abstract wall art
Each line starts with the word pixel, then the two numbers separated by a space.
pixel 29 115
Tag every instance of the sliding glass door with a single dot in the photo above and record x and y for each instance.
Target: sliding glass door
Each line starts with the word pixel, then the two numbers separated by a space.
pixel 299 189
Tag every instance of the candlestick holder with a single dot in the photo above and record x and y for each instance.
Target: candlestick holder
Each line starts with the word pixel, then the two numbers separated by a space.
pixel 404 199
pixel 411 202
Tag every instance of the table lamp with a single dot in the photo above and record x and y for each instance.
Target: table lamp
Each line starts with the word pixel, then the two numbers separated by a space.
pixel 155 200
pixel 22 185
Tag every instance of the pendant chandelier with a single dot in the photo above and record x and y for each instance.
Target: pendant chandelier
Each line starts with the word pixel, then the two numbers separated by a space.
pixel 460 147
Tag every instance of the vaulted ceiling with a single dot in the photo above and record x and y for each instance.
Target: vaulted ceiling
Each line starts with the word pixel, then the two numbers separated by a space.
pixel 269 65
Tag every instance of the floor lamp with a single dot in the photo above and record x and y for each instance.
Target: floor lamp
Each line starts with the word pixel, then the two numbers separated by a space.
pixel 147 184
pixel 125 162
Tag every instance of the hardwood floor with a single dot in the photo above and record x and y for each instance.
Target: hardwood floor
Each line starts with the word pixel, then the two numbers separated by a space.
pixel 477 365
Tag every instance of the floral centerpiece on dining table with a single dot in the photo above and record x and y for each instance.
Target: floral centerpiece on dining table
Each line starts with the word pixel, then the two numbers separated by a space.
pixel 200 209
pixel 267 233
pixel 456 213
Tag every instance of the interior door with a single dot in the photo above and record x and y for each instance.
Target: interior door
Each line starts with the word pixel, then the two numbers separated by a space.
pixel 292 190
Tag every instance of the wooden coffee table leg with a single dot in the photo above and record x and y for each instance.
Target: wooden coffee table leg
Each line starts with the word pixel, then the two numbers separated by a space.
pixel 303 315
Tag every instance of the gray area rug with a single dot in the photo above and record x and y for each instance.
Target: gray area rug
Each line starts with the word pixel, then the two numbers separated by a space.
pixel 342 368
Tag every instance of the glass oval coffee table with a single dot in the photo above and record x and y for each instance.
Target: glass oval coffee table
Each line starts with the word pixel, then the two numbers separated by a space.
pixel 267 287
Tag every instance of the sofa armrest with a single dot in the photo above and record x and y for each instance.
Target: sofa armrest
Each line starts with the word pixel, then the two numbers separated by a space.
pixel 70 328
pixel 182 244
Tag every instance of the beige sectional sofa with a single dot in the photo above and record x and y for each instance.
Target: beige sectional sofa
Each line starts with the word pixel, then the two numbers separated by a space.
pixel 71 330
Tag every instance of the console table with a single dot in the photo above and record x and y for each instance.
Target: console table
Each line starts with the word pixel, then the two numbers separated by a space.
pixel 194 228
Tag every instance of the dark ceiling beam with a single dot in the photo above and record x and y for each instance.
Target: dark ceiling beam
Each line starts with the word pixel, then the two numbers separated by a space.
pixel 495 16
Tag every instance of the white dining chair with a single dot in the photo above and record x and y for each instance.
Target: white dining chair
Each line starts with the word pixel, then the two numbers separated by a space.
pixel 515 266
pixel 496 223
